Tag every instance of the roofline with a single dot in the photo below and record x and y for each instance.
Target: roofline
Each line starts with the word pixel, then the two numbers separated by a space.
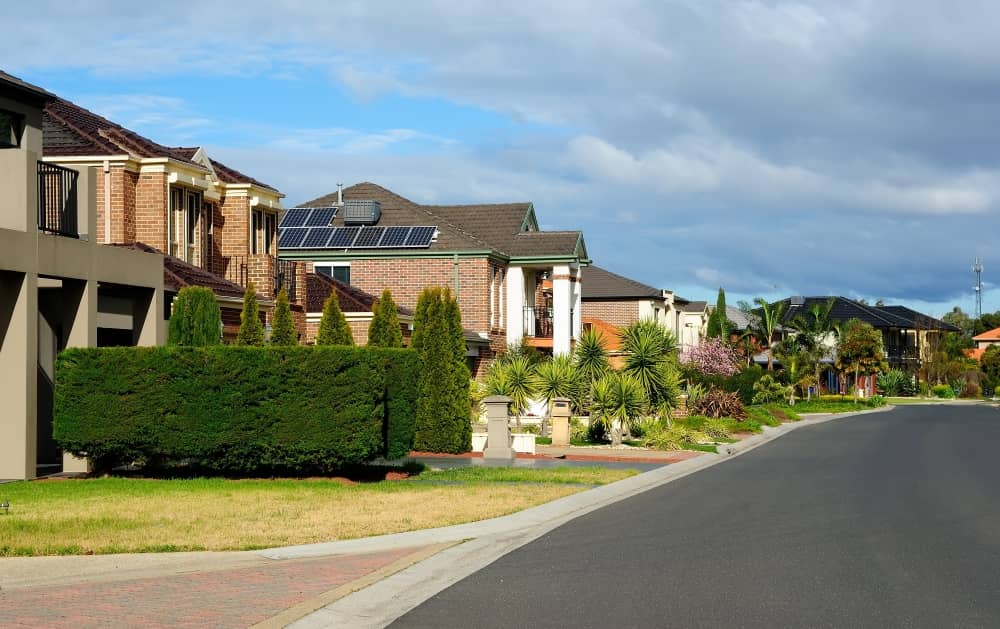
pixel 327 254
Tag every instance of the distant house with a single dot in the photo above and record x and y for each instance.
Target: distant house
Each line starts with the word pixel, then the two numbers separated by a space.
pixel 983 342
pixel 512 280
pixel 178 201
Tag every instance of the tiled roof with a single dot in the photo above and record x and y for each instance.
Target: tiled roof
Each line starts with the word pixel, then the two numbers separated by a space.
pixel 599 283
pixel 350 298
pixel 32 92
pixel 693 306
pixel 177 274
pixel 989 335
pixel 609 333
pixel 70 130
pixel 881 317
pixel 975 354
pixel 495 226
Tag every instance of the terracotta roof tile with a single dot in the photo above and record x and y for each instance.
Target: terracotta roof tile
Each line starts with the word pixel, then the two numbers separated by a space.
pixel 351 298
pixel 989 335
pixel 177 274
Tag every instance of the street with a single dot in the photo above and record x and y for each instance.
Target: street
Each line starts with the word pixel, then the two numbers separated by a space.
pixel 881 520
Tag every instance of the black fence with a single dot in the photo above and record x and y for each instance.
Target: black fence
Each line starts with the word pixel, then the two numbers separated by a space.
pixel 57 206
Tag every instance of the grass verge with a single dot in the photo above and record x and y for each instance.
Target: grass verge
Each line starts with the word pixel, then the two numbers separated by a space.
pixel 117 515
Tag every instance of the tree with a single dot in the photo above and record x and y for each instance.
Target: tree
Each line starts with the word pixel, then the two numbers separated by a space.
pixel 591 356
pixel 251 330
pixel 860 350
pixel 283 332
pixel 442 414
pixel 557 377
pixel 960 320
pixel 712 357
pixel 333 326
pixel 815 327
pixel 765 321
pixel 384 330
pixel 794 357
pixel 646 346
pixel 195 319
pixel 514 377
pixel 619 400
pixel 719 325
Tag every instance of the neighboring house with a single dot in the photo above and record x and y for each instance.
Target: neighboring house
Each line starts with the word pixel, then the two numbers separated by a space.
pixel 983 342
pixel 354 302
pixel 692 322
pixel 178 201
pixel 493 257
pixel 59 288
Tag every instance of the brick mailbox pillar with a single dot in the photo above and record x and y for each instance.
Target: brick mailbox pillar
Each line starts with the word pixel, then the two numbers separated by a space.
pixel 498 427
pixel 560 421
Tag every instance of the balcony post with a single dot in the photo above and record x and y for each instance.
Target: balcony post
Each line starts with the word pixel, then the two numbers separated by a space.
pixel 515 305
pixel 577 302
pixel 562 304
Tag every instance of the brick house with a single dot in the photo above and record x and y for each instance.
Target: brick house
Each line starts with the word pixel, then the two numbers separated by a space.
pixel 513 281
pixel 180 202
pixel 354 302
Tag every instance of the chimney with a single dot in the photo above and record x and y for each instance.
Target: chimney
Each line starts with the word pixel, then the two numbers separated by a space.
pixel 340 194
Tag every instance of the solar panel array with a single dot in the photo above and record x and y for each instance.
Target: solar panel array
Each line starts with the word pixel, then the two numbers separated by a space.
pixel 308 217
pixel 301 235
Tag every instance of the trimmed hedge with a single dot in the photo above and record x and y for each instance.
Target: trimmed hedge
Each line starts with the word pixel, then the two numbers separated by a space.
pixel 235 409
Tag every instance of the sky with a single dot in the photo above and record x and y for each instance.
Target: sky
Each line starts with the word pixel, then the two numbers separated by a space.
pixel 847 147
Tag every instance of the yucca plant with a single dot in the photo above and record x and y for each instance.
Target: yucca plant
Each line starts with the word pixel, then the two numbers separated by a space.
pixel 591 355
pixel 892 382
pixel 515 378
pixel 618 401
pixel 647 346
pixel 554 378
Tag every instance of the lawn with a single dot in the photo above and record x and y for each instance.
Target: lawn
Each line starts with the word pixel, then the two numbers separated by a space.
pixel 114 515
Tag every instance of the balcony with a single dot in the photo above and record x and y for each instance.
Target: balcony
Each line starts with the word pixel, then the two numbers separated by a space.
pixel 57 204
pixel 538 323
pixel 268 273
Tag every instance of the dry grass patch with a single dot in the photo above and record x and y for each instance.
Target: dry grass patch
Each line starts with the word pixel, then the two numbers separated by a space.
pixel 130 515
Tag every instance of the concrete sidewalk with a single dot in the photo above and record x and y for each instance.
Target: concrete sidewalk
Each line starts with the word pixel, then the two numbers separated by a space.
pixel 312 582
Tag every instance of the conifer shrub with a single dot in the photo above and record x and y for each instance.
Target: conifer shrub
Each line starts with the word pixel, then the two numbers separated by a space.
pixel 195 319
pixel 283 332
pixel 251 329
pixel 236 410
pixel 384 330
pixel 333 326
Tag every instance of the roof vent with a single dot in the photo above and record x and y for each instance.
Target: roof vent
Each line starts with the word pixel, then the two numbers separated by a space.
pixel 797 300
pixel 362 212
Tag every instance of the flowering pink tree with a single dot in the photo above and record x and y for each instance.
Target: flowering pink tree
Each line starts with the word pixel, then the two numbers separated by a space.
pixel 713 357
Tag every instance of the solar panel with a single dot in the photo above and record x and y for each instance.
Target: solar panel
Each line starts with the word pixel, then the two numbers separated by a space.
pixel 318 237
pixel 394 237
pixel 321 217
pixel 420 237
pixel 343 237
pixel 369 237
pixel 290 238
pixel 295 217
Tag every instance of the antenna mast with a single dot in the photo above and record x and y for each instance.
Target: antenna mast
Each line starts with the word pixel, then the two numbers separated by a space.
pixel 977 268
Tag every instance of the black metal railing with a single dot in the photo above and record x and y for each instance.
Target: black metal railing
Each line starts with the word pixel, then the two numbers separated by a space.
pixel 57 208
pixel 235 269
pixel 538 322
pixel 284 276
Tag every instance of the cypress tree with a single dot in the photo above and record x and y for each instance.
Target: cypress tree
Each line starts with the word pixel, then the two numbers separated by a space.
pixel 384 330
pixel 333 327
pixel 283 330
pixel 195 319
pixel 442 417
pixel 251 329
pixel 718 322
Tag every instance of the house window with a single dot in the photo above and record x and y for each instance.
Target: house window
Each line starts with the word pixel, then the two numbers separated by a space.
pixel 270 227
pixel 191 232
pixel 11 129
pixel 176 222
pixel 255 221
pixel 340 272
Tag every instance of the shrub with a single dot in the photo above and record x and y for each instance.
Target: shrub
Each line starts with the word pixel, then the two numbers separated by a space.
pixel 283 331
pixel 676 437
pixel 333 326
pixel 384 330
pixel 767 390
pixel 251 330
pixel 876 401
pixel 970 389
pixel 892 381
pixel 195 319
pixel 718 403
pixel 743 382
pixel 943 391
pixel 235 409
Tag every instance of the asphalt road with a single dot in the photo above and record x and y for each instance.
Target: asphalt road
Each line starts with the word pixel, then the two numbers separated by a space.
pixel 882 520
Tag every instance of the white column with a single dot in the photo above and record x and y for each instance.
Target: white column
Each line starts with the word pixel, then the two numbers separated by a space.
pixel 562 295
pixel 578 304
pixel 515 305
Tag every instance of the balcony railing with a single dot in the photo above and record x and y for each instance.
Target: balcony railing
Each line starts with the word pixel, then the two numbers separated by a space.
pixel 284 276
pixel 57 208
pixel 235 269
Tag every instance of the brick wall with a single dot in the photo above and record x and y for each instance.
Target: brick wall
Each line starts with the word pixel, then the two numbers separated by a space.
pixel 233 231
pixel 151 210
pixel 617 313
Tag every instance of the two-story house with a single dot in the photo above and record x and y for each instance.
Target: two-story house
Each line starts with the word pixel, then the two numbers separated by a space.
pixel 205 216
pixel 513 281
pixel 58 286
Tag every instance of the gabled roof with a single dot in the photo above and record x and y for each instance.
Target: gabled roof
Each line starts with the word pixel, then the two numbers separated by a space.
pixel 692 306
pixel 600 283
pixel 72 131
pixel 509 229
pixel 24 91
pixel 177 274
pixel 989 335
pixel 350 298
pixel 881 317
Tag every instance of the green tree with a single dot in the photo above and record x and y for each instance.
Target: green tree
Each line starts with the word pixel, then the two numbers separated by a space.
pixel 251 330
pixel 794 356
pixel 591 356
pixel 815 326
pixel 990 365
pixel 646 347
pixel 619 400
pixel 516 378
pixel 195 319
pixel 960 320
pixel 554 378
pixel 719 325
pixel 333 326
pixel 765 320
pixel 384 330
pixel 860 349
pixel 442 415
pixel 283 332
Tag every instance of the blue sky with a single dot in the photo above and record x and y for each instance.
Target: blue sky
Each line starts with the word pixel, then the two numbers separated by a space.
pixel 772 148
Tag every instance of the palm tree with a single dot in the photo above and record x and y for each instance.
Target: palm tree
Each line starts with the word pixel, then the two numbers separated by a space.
pixel 591 356
pixel 793 353
pixel 647 346
pixel 618 400
pixel 554 378
pixel 815 326
pixel 765 321
pixel 515 378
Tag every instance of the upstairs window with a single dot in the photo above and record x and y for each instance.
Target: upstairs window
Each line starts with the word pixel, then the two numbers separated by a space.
pixel 11 129
pixel 339 272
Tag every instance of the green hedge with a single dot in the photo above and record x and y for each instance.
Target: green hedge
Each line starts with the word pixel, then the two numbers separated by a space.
pixel 235 409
